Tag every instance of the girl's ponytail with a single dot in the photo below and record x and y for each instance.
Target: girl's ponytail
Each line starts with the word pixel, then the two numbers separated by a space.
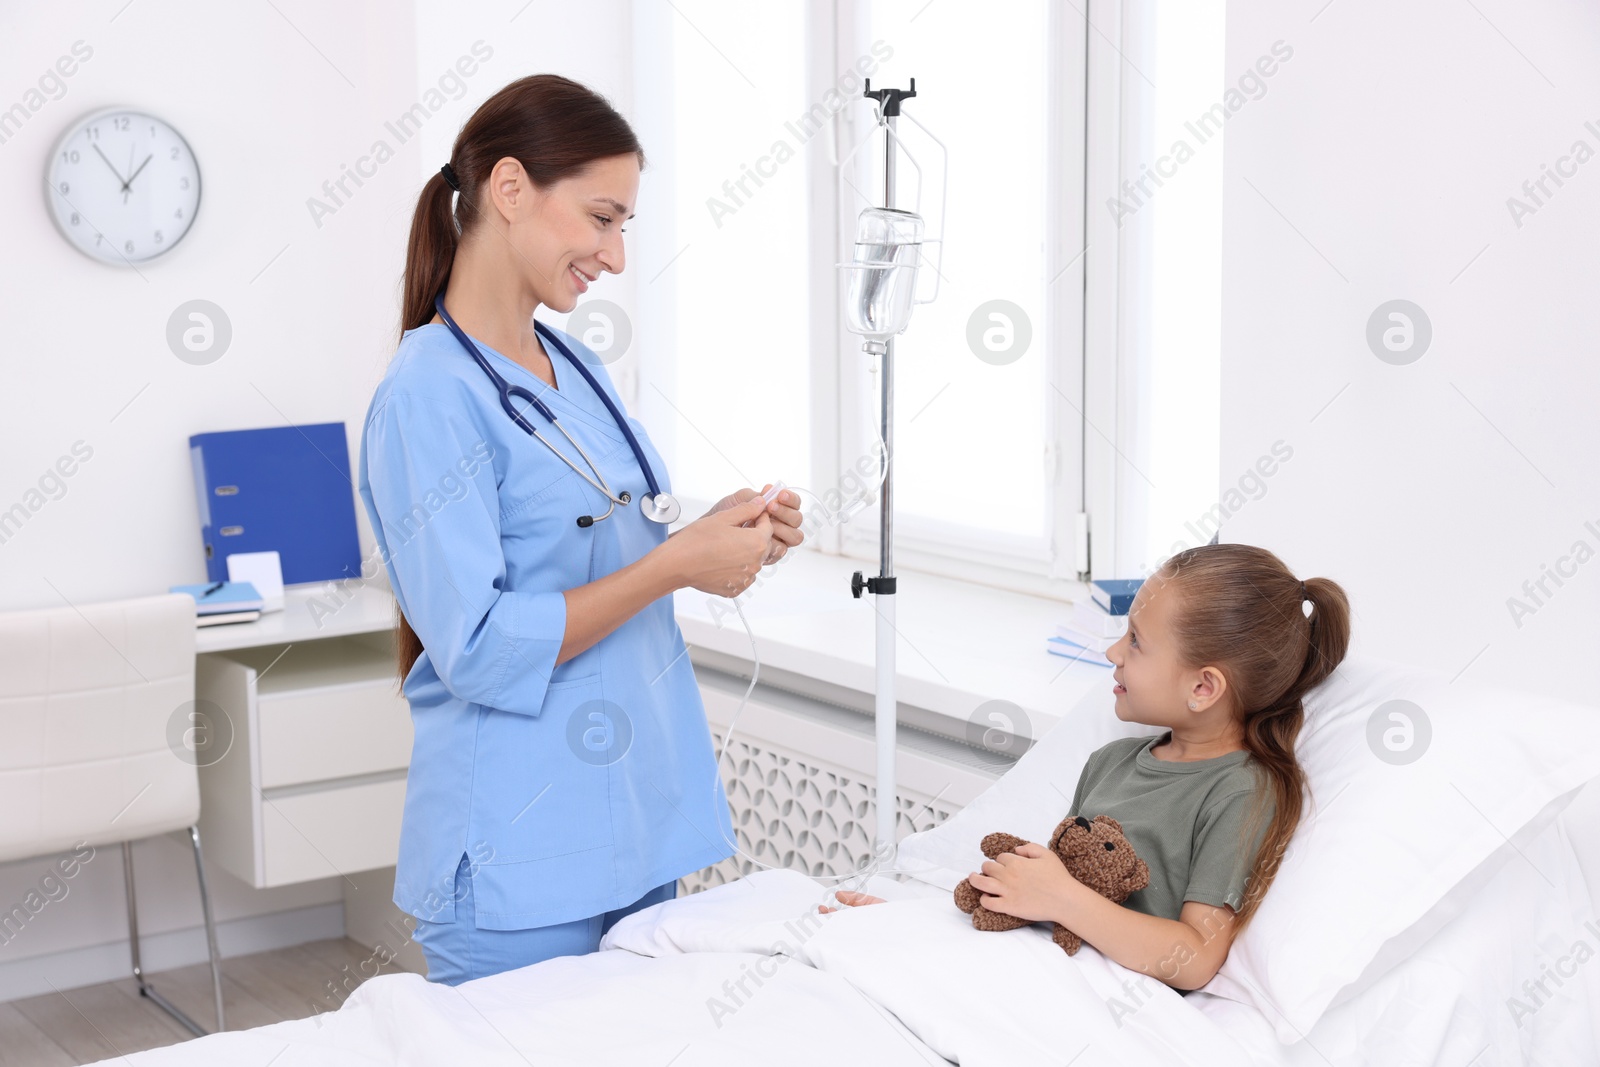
pixel 1241 609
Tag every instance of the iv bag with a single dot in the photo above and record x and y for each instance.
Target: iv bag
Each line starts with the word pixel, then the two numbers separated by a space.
pixel 883 276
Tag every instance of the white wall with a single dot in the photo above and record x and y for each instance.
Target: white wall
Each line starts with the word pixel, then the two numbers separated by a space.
pixel 591 43
pixel 269 120
pixel 273 105
pixel 1378 166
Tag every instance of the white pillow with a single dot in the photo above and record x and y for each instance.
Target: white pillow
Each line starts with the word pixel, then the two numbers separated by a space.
pixel 1029 800
pixel 1380 844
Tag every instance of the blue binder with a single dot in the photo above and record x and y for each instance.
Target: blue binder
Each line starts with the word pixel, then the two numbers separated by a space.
pixel 286 488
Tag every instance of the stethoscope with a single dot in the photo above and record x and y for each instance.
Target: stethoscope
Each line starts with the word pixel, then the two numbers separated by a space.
pixel 656 505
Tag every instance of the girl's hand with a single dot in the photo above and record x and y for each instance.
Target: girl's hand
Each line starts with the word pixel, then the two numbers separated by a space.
pixel 784 512
pixel 852 899
pixel 1028 883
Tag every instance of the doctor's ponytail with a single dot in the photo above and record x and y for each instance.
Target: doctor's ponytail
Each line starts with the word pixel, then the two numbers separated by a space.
pixel 555 128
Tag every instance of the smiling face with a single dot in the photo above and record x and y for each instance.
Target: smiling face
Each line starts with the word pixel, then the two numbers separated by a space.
pixel 1151 683
pixel 566 236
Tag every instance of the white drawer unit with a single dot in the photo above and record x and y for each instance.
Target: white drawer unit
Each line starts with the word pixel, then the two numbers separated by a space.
pixel 312 782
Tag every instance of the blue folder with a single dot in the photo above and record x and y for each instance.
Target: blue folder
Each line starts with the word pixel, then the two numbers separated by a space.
pixel 285 489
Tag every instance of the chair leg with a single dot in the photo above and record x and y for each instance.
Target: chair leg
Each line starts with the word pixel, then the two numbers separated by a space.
pixel 145 988
pixel 211 927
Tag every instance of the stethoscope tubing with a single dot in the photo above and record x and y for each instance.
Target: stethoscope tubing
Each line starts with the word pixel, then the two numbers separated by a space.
pixel 507 391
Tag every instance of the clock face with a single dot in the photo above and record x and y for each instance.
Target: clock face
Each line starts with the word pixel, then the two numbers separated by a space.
pixel 123 186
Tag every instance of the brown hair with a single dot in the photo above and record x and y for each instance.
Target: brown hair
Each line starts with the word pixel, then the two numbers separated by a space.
pixel 551 125
pixel 1239 608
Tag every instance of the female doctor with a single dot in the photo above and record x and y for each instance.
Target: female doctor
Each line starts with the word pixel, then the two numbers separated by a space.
pixel 562 773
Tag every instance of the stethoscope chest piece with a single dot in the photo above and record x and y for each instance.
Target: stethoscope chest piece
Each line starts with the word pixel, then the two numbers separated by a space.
pixel 661 507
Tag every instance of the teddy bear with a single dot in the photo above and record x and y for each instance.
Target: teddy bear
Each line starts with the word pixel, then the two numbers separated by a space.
pixel 1096 853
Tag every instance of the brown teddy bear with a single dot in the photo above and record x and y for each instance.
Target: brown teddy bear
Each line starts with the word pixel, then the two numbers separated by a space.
pixel 1096 853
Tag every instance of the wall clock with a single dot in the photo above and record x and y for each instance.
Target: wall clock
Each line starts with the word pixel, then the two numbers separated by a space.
pixel 123 186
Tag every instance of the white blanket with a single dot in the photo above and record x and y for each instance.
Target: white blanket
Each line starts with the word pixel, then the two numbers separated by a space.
pixel 973 997
pixel 608 1008
pixel 747 973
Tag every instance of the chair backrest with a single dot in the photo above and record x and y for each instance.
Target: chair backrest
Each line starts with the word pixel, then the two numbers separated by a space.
pixel 93 698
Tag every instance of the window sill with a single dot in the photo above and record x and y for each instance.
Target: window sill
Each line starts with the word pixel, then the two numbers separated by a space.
pixel 960 644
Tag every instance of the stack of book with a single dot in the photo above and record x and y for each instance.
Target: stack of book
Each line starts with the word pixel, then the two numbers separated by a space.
pixel 1095 624
pixel 221 602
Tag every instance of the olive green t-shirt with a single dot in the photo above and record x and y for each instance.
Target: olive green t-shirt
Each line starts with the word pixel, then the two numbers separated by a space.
pixel 1186 819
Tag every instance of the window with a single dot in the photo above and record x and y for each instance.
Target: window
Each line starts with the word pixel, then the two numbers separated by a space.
pixel 724 232
pixel 747 374
pixel 987 376
pixel 1158 202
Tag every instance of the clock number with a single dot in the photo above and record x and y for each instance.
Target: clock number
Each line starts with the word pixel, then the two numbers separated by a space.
pixel 183 183
pixel 65 188
pixel 174 151
pixel 92 133
pixel 158 237
pixel 178 214
pixel 74 218
pixel 120 122
pixel 128 247
pixel 70 157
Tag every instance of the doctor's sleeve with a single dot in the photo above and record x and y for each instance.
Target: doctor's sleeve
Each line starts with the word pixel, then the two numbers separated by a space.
pixel 432 482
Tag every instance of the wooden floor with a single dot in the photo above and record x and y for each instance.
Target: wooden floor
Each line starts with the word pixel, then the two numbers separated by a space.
pixel 101 1021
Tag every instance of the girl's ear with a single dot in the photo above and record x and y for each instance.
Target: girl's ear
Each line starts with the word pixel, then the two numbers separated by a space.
pixel 1210 686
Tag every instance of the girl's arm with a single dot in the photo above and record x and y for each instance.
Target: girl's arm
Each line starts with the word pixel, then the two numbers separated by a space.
pixel 1185 953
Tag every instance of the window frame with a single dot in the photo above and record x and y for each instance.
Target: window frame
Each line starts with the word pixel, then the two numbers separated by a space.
pixel 1051 565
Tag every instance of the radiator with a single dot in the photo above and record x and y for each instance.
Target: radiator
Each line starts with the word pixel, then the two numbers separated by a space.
pixel 800 779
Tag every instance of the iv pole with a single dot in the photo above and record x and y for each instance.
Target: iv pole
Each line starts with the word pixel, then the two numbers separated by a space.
pixel 883 586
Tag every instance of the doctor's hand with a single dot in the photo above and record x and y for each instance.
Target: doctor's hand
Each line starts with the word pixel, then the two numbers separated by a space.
pixel 716 553
pixel 785 513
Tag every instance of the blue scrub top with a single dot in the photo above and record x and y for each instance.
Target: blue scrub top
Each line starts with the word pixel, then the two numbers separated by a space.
pixel 572 789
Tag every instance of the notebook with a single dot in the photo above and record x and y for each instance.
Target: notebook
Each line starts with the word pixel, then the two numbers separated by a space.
pixel 230 597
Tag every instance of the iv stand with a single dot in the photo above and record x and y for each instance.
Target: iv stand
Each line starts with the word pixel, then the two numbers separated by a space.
pixel 883 586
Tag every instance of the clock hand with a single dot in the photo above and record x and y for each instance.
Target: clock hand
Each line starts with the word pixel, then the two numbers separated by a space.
pixel 114 170
pixel 125 185
pixel 135 174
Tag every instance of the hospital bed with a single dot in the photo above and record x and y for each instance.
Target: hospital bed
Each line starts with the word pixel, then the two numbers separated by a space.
pixel 1440 905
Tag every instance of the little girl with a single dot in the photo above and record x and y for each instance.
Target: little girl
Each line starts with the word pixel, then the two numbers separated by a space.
pixel 1222 644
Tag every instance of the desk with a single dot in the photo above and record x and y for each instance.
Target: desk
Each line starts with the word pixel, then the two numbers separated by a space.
pixel 309 613
pixel 312 781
